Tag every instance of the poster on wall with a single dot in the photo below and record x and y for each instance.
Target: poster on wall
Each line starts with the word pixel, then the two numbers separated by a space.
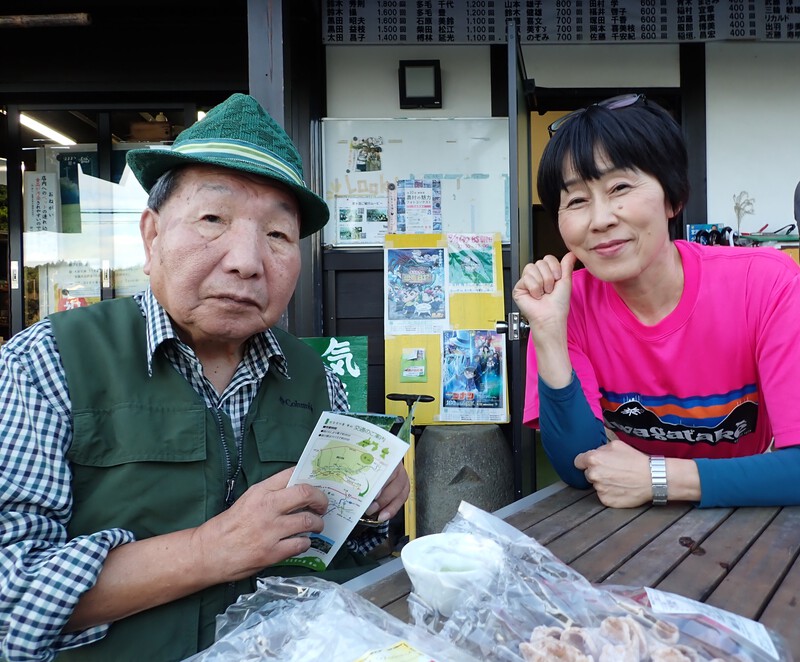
pixel 413 365
pixel 415 206
pixel 365 154
pixel 361 220
pixel 471 262
pixel 463 161
pixel 473 376
pixel 64 286
pixel 415 290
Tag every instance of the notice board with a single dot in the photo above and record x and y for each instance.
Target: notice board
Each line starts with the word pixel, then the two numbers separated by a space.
pixel 469 157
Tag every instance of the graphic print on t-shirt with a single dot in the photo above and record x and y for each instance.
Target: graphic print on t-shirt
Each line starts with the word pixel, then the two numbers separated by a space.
pixel 710 419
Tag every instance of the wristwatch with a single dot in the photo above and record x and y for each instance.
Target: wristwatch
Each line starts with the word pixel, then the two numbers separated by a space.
pixel 658 477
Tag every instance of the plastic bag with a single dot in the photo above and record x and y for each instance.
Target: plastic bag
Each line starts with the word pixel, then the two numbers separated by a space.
pixel 307 618
pixel 538 608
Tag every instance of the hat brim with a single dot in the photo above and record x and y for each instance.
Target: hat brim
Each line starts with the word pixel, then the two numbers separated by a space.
pixel 149 164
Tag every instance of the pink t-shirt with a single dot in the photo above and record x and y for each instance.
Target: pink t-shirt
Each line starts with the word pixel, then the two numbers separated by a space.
pixel 718 377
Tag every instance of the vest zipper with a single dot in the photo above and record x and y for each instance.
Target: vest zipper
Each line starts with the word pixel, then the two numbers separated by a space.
pixel 229 474
pixel 230 485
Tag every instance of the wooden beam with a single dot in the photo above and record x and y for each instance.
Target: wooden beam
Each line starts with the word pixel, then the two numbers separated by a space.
pixel 45 20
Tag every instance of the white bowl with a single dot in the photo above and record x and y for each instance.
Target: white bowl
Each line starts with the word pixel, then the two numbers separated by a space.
pixel 442 566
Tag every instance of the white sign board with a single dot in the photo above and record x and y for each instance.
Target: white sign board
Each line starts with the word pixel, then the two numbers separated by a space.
pixel 468 156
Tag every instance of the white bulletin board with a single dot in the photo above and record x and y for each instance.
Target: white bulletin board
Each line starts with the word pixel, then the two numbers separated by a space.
pixel 470 157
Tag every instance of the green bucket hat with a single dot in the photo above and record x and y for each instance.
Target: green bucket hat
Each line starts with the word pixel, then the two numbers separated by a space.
pixel 237 134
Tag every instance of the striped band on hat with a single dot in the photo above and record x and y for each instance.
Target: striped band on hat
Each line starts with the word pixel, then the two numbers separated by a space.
pixel 241 151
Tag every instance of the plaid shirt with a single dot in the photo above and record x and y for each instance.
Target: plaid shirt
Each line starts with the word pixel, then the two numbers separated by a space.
pixel 43 573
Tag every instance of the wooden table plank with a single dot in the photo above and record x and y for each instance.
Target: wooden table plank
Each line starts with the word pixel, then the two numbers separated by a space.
pixel 565 519
pixel 542 509
pixel 574 542
pixel 683 538
pixel 782 614
pixel 399 609
pixel 750 584
pixel 699 574
pixel 393 587
pixel 609 554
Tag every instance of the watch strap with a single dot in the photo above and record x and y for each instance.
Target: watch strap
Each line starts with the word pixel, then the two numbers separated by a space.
pixel 658 478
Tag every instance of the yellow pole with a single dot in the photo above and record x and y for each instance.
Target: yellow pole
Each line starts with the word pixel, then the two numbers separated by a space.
pixel 410 507
pixel 406 432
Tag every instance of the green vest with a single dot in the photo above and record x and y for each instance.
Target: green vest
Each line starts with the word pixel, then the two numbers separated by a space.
pixel 148 456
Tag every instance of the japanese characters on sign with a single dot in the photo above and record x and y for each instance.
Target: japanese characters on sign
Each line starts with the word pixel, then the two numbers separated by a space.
pixel 348 22
pixel 346 357
pixel 42 202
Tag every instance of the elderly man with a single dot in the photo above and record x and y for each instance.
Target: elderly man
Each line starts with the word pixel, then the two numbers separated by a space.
pixel 147 442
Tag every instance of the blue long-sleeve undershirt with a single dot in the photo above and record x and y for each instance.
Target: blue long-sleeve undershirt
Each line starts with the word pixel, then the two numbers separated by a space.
pixel 569 427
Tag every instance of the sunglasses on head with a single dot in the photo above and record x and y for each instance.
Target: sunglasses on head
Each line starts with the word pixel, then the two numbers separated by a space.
pixel 621 101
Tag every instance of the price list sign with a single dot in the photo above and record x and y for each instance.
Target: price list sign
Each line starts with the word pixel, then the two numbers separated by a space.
pixel 413 21
pixel 558 21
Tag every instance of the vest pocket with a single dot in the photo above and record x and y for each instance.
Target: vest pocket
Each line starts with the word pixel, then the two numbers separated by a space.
pixel 138 468
pixel 281 444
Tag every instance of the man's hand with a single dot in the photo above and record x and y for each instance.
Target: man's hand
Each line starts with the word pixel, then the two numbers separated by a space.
pixel 392 497
pixel 619 473
pixel 264 526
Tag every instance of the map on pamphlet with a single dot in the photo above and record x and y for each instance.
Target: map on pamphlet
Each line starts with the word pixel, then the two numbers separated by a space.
pixel 350 459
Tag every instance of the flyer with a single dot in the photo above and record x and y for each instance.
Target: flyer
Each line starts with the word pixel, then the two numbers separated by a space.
pixel 350 459
pixel 361 219
pixel 415 206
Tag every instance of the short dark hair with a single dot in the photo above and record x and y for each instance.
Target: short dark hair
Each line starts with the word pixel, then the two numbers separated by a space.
pixel 642 136
pixel 164 187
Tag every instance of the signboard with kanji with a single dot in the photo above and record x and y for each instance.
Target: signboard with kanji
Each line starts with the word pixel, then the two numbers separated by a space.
pixel 346 356
pixel 348 22
pixel 42 202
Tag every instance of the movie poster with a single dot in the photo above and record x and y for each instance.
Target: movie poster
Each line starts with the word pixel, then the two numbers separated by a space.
pixel 415 291
pixel 473 376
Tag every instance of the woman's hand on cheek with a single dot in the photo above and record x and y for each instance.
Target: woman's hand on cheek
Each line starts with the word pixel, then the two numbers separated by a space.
pixel 543 291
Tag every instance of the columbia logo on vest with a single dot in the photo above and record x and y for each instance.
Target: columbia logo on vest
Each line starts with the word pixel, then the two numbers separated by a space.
pixel 296 403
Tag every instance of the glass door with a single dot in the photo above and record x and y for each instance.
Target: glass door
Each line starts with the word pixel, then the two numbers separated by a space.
pixel 79 209
pixel 5 301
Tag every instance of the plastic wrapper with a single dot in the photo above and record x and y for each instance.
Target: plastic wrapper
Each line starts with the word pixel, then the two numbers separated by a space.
pixel 537 609
pixel 307 618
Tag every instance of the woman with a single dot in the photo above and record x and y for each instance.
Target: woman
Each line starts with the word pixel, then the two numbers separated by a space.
pixel 664 370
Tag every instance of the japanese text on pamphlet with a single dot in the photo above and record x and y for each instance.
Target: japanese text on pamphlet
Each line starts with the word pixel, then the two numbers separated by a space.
pixel 350 460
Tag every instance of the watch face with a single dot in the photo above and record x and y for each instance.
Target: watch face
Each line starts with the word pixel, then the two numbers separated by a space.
pixel 658 476
pixel 659 495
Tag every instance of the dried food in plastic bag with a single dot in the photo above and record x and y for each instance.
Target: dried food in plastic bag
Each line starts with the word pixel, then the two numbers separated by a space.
pixel 538 608
pixel 307 618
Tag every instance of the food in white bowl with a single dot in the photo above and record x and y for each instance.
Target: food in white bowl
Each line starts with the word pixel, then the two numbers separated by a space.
pixel 443 566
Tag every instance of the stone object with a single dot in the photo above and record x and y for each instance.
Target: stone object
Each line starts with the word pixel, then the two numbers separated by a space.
pixel 472 463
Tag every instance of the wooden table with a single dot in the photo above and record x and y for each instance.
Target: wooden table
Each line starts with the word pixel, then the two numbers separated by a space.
pixel 744 560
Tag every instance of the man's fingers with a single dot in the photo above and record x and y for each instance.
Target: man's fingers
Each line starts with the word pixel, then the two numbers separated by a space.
pixel 293 499
pixel 310 498
pixel 303 521
pixel 392 496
